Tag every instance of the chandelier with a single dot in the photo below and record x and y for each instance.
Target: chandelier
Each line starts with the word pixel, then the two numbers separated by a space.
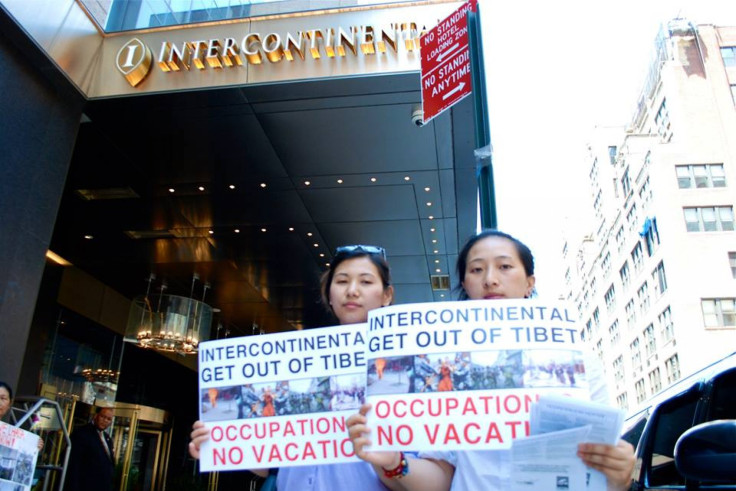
pixel 100 375
pixel 169 323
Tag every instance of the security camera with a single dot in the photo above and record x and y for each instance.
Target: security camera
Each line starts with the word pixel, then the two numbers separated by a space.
pixel 417 116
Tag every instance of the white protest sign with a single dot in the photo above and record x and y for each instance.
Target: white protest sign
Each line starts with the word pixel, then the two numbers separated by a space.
pixel 463 375
pixel 281 399
pixel 18 453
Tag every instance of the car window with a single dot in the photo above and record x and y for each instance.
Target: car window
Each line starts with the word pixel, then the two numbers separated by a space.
pixel 723 400
pixel 670 421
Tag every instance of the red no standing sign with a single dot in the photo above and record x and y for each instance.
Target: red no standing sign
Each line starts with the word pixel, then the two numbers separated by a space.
pixel 446 77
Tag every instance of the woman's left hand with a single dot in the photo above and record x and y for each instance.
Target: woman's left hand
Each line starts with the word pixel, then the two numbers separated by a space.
pixel 615 461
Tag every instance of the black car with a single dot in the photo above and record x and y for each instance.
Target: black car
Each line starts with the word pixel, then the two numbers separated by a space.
pixel 685 438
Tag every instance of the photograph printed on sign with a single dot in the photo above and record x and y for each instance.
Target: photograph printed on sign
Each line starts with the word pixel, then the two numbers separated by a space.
pixel 281 399
pixel 462 375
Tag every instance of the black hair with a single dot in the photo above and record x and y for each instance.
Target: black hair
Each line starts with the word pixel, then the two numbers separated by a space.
pixel 343 255
pixel 5 386
pixel 525 254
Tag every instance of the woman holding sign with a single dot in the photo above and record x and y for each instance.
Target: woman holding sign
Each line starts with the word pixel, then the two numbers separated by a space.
pixel 491 265
pixel 358 281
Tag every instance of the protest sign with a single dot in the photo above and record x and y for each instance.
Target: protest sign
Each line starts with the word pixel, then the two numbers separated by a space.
pixel 463 375
pixel 278 400
pixel 18 453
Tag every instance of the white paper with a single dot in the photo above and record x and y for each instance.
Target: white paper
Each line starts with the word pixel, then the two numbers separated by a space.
pixel 551 416
pixel 549 462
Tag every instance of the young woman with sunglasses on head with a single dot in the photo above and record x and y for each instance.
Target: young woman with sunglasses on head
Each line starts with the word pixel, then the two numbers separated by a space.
pixel 492 265
pixel 358 281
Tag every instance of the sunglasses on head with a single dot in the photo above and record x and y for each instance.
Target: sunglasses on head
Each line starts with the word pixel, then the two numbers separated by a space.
pixel 368 249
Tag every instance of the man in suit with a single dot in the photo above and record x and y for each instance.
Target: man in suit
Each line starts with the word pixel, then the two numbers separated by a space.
pixel 91 461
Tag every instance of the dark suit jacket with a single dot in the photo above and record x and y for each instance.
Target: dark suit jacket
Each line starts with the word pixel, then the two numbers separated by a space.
pixel 90 468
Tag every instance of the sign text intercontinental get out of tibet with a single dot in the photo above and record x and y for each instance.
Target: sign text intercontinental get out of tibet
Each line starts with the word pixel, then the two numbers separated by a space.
pixel 134 58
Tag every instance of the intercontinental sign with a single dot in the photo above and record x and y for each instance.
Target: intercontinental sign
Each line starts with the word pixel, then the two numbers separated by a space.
pixel 134 58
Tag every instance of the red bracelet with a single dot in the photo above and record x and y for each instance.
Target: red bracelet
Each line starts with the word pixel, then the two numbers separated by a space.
pixel 400 470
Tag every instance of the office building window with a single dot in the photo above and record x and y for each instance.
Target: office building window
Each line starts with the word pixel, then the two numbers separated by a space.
pixel 626 183
pixel 630 314
pixel 632 217
pixel 645 194
pixel 672 365
pixel 597 318
pixel 637 256
pixel 666 327
pixel 599 349
pixel 728 53
pixel 719 312
pixel 655 381
pixel 612 151
pixel 651 235
pixel 606 264
pixel 623 401
pixel 732 263
pixel 620 238
pixel 700 176
pixel 625 275
pixel 662 120
pixel 641 391
pixel 643 295
pixel 618 369
pixel 649 340
pixel 659 279
pixel 610 298
pixel 635 351
pixel 613 333
pixel 709 219
pixel 588 330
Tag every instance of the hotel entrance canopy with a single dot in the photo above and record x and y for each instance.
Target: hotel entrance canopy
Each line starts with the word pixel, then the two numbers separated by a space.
pixel 249 149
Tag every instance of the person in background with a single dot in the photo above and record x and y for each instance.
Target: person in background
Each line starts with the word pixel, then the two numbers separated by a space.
pixel 357 282
pixel 91 461
pixel 492 265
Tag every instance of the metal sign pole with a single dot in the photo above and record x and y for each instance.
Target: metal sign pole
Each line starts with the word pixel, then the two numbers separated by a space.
pixel 483 153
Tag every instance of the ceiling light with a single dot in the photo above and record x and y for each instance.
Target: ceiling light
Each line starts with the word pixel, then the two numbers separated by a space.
pixel 315 244
pixel 237 230
pixel 434 241
pixel 309 234
pixel 321 254
pixel 307 183
pixel 407 178
pixel 430 217
pixel 201 188
pixel 432 229
pixel 171 190
pixel 438 270
pixel 263 230
pixel 291 229
pixel 436 251
pixel 327 264
pixel 89 237
pixel 436 261
pixel 442 295
pixel 211 232
pixel 232 186
pixel 373 179
pixel 263 184
pixel 52 256
pixel 427 189
pixel 429 203
pixel 339 181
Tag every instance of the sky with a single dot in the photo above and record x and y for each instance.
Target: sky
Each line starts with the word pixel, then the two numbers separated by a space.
pixel 555 70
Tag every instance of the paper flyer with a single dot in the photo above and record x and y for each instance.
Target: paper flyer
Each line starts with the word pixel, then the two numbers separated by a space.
pixel 464 375
pixel 282 399
pixel 18 454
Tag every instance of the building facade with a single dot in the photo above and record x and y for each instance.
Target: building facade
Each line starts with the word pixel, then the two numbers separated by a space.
pixel 654 275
